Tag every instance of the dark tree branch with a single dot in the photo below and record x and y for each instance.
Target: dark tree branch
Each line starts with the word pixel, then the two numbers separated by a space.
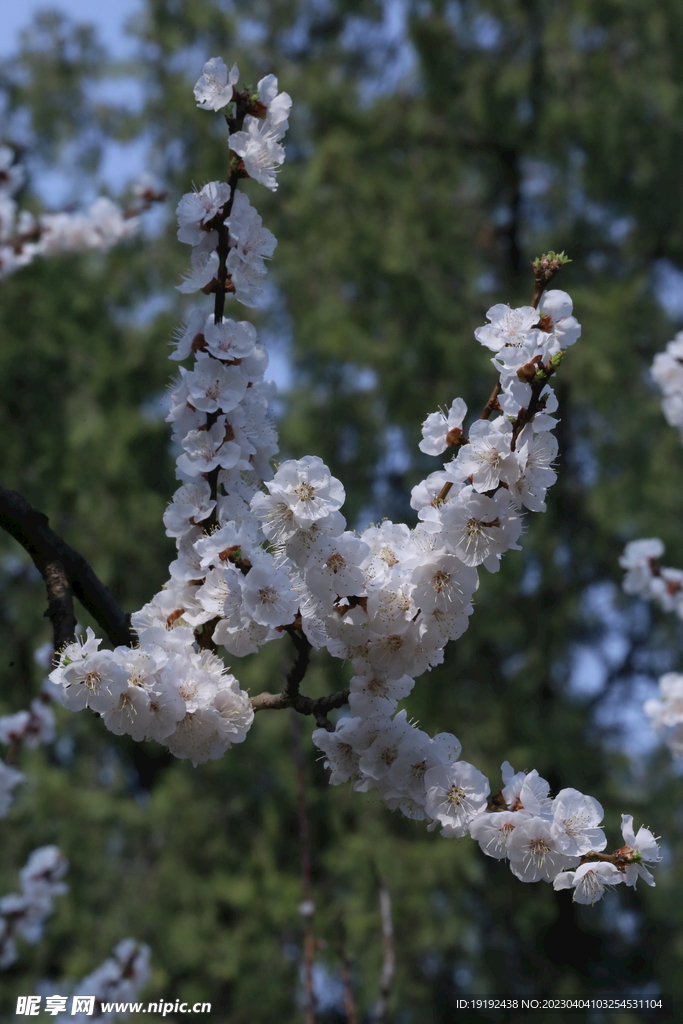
pixel 298 670
pixel 64 571
pixel 60 606
pixel 319 707
pixel 290 697
pixel 222 249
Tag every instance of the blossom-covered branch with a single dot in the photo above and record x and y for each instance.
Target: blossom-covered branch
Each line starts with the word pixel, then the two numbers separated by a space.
pixel 642 560
pixel 107 992
pixel 24 236
pixel 22 915
pixel 27 728
pixel 264 553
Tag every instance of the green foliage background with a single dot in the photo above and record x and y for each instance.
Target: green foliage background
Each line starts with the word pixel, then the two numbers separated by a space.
pixel 426 167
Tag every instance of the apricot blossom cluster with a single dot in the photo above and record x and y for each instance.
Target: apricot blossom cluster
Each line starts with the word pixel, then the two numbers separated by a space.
pixel 264 553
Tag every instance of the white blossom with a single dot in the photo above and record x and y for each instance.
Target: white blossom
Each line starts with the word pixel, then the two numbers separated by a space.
pixel 440 431
pixel 204 270
pixel 248 279
pixel 212 386
pixel 334 568
pixel 417 754
pixel 243 638
pixel 373 694
pixel 252 242
pixel 196 209
pixel 527 792
pixel 643 846
pixel 306 489
pixel 576 823
pixel 589 881
pixel 259 146
pixel 638 559
pixel 479 529
pixel 443 581
pixel 487 459
pixel 378 758
pixel 214 89
pixel 96 681
pixel 339 748
pixel 492 830
pixel 230 340
pixel 269 597
pixel 564 329
pixel 192 503
pixel 278 104
pixel 534 851
pixel 130 714
pixel 205 450
pixel 455 795
pixel 507 327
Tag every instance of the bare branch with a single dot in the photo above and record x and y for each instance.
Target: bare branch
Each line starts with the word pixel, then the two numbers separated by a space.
pixel 64 571
pixel 307 906
pixel 298 670
pixel 319 707
pixel 492 404
pixel 349 998
pixel 386 980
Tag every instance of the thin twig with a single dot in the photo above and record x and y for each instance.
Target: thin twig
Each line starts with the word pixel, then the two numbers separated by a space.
pixel 386 980
pixel 545 268
pixel 349 998
pixel 307 906
pixel 536 403
pixel 222 283
pixel 492 405
pixel 223 249
pixel 63 570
